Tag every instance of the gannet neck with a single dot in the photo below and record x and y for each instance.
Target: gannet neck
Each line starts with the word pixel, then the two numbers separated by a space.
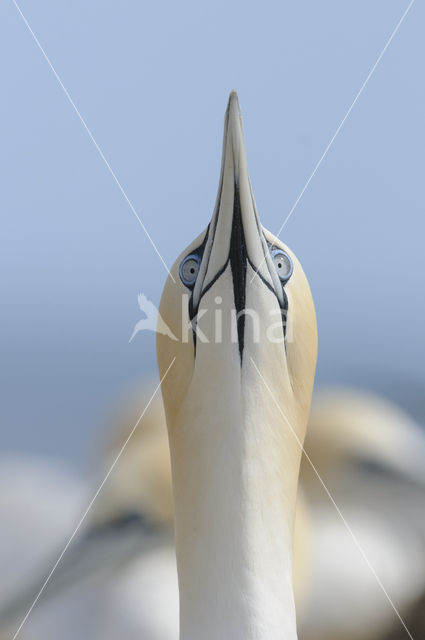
pixel 234 479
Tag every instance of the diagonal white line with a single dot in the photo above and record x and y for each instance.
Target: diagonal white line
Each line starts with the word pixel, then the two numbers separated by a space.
pixel 338 510
pixel 99 150
pixel 99 489
pixel 341 124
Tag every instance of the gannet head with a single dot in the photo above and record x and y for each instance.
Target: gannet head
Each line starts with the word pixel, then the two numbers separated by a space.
pixel 246 296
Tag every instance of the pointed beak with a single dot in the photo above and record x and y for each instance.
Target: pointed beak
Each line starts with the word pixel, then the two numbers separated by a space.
pixel 235 235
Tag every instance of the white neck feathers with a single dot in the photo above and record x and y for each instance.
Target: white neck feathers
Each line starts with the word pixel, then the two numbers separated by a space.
pixel 235 470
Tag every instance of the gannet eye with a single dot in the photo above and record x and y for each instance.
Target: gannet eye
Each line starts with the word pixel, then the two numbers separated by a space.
pixel 189 269
pixel 283 264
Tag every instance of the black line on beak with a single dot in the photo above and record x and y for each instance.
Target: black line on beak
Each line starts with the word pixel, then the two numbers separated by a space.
pixel 238 263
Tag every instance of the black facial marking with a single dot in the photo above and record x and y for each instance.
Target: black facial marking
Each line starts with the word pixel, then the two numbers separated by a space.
pixel 192 311
pixel 284 311
pixel 238 263
pixel 239 260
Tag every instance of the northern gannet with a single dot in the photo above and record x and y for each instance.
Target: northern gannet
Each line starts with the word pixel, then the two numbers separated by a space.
pixel 237 398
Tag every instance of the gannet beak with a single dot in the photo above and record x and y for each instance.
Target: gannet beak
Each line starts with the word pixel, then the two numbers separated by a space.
pixel 235 235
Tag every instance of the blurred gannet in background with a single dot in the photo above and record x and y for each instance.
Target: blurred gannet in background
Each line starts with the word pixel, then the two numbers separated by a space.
pixel 123 549
pixel 370 456
pixel 120 572
pixel 38 501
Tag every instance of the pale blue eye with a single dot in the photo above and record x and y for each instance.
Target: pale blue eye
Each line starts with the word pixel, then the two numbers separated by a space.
pixel 189 269
pixel 283 264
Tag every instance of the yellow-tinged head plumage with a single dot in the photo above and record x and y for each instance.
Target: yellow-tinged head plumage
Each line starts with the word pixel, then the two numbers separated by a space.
pixel 241 287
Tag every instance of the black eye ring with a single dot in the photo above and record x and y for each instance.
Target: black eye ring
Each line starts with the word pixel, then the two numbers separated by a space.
pixel 283 264
pixel 189 269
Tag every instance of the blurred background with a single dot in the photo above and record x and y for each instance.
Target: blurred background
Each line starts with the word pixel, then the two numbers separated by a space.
pixel 151 81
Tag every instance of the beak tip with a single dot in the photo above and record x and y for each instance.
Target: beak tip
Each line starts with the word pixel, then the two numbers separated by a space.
pixel 233 111
pixel 233 98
